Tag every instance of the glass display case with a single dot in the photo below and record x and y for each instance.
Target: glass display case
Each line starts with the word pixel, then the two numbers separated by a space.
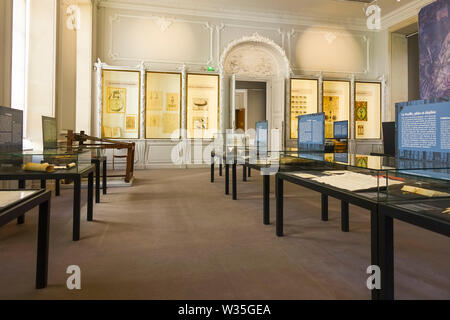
pixel 202 99
pixel 336 104
pixel 367 115
pixel 120 104
pixel 163 105
pixel 48 160
pixel 378 178
pixel 303 100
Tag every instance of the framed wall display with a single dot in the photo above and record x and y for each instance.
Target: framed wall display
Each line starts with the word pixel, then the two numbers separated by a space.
pixel 202 100
pixel 163 105
pixel 336 103
pixel 367 115
pixel 304 100
pixel 120 104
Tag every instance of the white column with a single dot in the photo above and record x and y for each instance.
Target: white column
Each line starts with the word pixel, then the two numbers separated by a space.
pixel 320 92
pixel 83 72
pixel 41 68
pixel 142 104
pixel 183 102
pixel 98 113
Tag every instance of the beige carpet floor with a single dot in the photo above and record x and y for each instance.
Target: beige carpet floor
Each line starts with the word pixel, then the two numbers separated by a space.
pixel 175 235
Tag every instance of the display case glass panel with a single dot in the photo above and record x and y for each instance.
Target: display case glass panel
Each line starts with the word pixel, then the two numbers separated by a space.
pixel 336 104
pixel 120 104
pixel 367 110
pixel 378 178
pixel 163 105
pixel 202 105
pixel 304 100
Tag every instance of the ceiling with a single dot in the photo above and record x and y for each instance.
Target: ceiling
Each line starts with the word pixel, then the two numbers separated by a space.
pixel 336 9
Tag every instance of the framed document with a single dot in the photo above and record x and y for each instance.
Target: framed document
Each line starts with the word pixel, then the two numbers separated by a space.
pixel 336 104
pixel 120 104
pixel 304 100
pixel 202 105
pixel 163 105
pixel 367 115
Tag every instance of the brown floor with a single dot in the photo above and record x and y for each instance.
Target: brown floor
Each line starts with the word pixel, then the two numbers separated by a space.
pixel 175 235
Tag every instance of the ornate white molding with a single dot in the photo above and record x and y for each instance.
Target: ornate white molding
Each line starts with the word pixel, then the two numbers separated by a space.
pixel 330 36
pixel 256 38
pixel 99 67
pixel 163 23
pixel 183 101
pixel 142 101
pixel 209 12
pixel 403 13
pixel 115 56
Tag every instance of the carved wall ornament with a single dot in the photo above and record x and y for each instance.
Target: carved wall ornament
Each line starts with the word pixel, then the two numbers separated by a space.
pixel 257 40
pixel 330 37
pixel 163 23
pixel 251 60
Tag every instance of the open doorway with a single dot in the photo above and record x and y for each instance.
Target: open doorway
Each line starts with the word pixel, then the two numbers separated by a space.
pixel 251 104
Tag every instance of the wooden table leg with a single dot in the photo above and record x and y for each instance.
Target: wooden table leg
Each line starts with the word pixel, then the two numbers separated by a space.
pixel 21 219
pixel 266 199
pixel 105 177
pixel 97 181
pixel 76 208
pixel 386 256
pixel 324 207
pixel 234 178
pixel 90 204
pixel 43 244
pixel 344 216
pixel 279 199
pixel 57 187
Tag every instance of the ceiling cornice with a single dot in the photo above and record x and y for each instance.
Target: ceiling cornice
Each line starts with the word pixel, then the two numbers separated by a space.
pixel 403 13
pixel 222 13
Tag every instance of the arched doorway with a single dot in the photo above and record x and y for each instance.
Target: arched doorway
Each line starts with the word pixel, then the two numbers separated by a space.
pixel 256 58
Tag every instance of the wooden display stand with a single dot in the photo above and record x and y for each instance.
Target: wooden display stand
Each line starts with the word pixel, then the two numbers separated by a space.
pixel 81 138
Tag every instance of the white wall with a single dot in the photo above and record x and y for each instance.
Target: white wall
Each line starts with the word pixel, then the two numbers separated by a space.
pixel 41 67
pixel 399 71
pixel 165 40
pixel 5 52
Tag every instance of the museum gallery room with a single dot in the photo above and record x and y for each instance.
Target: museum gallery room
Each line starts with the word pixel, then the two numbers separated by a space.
pixel 224 150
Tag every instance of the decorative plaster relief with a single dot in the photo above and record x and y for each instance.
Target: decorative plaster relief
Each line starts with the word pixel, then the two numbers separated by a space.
pixel 134 38
pixel 251 60
pixel 278 54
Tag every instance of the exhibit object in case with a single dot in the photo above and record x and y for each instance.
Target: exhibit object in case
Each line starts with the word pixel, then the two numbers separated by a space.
pixel 120 104
pixel 262 137
pixel 11 129
pixel 367 114
pixel 336 103
pixel 202 105
pixel 95 142
pixel 49 132
pixel 311 132
pixel 163 105
pixel 304 100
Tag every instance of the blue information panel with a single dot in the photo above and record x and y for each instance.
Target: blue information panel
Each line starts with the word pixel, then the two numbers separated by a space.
pixel 423 131
pixel 261 140
pixel 311 132
pixel 340 129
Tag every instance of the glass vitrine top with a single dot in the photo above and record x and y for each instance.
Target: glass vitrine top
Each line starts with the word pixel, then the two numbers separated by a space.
pixel 9 198
pixel 375 163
